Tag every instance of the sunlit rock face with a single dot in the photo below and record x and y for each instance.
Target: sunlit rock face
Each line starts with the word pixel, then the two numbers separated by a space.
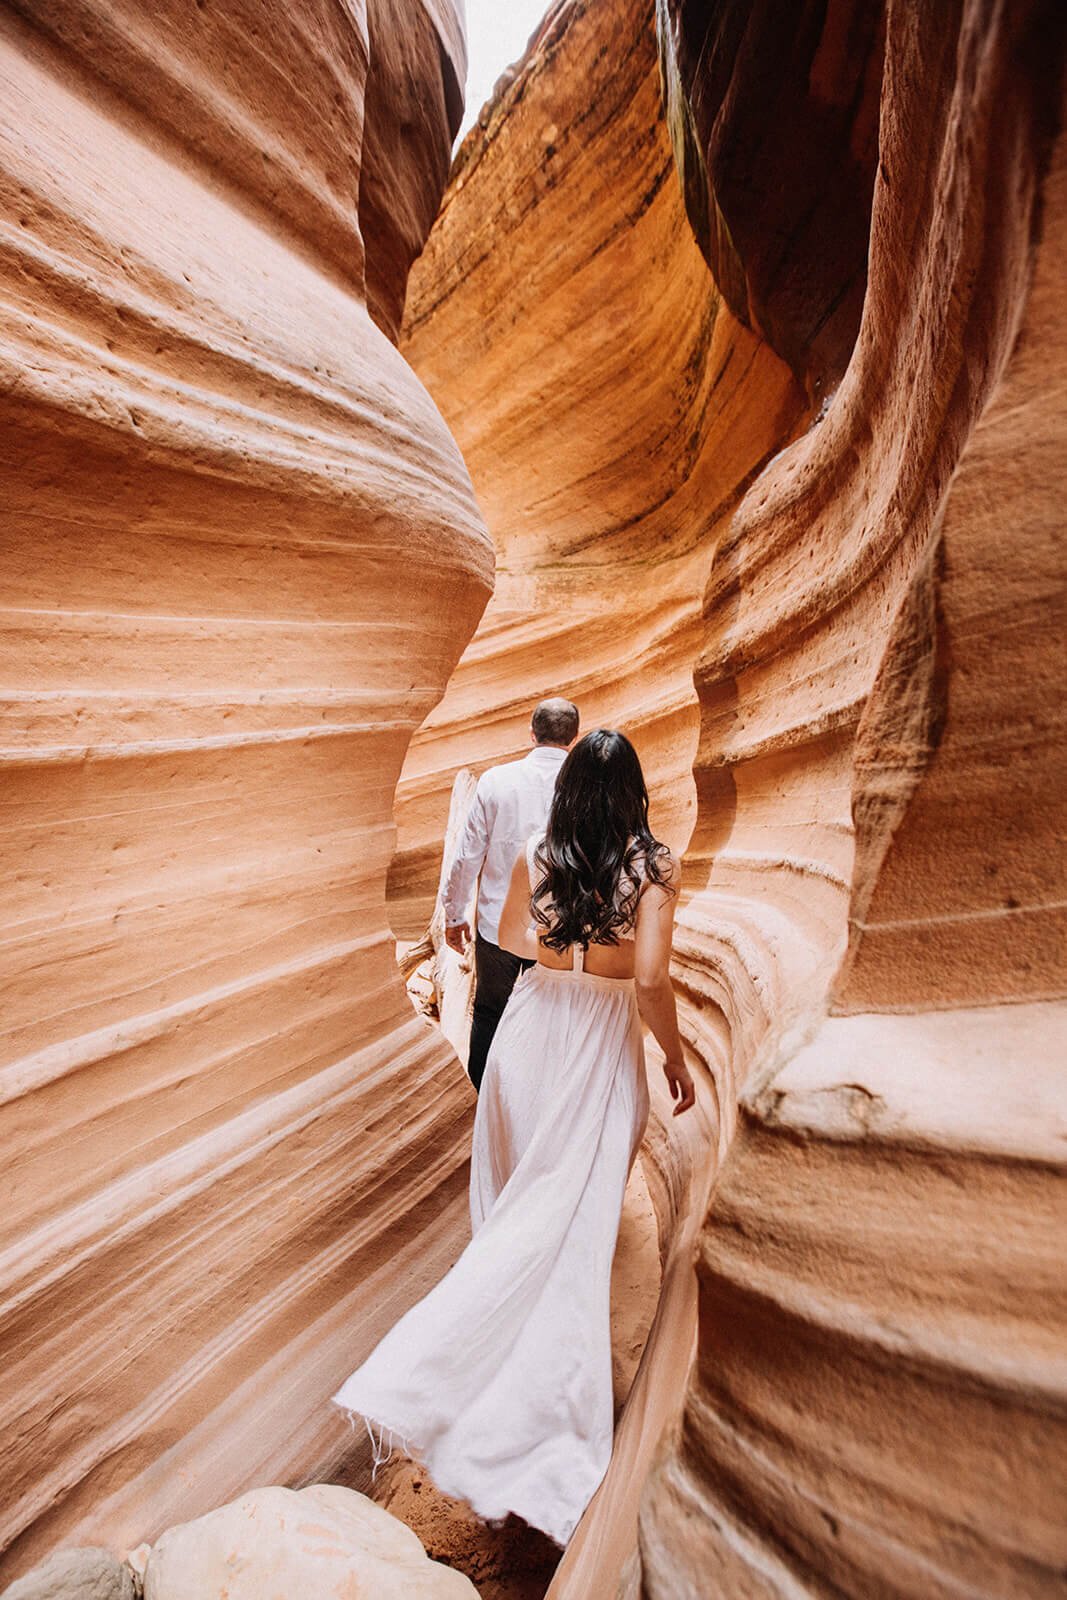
pixel 826 481
pixel 878 1399
pixel 610 408
pixel 241 555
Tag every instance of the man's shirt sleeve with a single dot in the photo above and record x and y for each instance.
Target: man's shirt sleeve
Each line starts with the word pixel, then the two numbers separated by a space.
pixel 469 858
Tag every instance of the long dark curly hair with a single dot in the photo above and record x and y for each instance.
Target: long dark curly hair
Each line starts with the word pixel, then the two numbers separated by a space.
pixel 598 849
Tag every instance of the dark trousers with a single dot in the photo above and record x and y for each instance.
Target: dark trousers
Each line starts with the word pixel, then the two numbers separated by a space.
pixel 495 971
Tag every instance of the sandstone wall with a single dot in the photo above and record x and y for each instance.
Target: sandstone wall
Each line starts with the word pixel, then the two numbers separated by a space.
pixel 609 407
pixel 877 1403
pixel 852 547
pixel 612 409
pixel 223 1127
pixel 241 557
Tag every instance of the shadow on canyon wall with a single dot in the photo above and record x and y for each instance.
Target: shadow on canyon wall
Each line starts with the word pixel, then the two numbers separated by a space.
pixel 749 517
pixel 760 397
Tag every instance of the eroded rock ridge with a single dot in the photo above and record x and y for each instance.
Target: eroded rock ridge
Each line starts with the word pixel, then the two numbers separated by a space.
pixel 822 481
pixel 231 1153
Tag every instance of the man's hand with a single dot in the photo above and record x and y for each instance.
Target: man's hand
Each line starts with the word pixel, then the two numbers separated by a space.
pixel 681 1085
pixel 458 937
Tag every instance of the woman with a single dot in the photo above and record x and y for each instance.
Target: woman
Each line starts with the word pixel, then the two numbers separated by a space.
pixel 499 1381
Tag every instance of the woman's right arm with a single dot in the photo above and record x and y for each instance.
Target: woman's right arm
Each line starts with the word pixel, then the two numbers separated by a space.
pixel 653 930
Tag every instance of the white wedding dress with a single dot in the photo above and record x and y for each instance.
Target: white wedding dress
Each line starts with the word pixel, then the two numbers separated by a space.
pixel 499 1381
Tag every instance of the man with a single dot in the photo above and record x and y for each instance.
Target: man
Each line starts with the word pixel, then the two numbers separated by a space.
pixel 510 803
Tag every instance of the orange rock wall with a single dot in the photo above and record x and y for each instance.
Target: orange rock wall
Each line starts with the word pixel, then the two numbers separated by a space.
pixel 866 954
pixel 877 1406
pixel 223 1127
pixel 609 407
pixel 241 557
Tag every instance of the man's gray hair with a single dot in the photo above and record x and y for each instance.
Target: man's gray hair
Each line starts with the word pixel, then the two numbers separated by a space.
pixel 555 722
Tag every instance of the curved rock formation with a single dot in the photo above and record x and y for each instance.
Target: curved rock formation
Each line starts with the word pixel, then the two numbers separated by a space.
pixel 241 558
pixel 232 1153
pixel 610 409
pixel 867 955
pixel 780 200
pixel 323 1541
pixel 877 1404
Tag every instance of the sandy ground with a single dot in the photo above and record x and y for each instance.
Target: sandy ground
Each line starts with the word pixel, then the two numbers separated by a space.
pixel 515 1562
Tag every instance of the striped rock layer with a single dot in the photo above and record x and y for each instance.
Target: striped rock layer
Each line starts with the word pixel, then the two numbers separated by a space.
pixel 773 461
pixel 241 556
pixel 791 522
pixel 610 408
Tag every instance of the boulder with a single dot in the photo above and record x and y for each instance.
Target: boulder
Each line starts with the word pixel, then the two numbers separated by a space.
pixel 78 1574
pixel 284 1544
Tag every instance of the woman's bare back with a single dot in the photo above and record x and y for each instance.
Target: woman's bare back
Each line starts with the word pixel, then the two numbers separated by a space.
pixel 602 960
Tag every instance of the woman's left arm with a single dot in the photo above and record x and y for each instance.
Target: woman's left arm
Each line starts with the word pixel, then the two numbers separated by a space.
pixel 516 933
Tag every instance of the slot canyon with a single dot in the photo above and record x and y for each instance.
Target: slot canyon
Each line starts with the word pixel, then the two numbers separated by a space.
pixel 721 386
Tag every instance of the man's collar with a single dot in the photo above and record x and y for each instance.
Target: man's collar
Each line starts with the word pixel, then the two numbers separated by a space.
pixel 555 752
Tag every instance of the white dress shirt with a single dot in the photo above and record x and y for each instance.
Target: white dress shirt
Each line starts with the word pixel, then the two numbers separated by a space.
pixel 510 803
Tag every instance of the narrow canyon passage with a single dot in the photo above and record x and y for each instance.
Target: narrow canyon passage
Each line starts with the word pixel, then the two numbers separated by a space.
pixel 515 1562
pixel 735 547
pixel 719 387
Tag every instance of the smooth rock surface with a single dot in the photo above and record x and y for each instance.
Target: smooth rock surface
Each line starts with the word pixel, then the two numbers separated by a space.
pixel 76 1574
pixel 869 948
pixel 232 1156
pixel 326 1542
pixel 878 1401
pixel 242 556
pixel 610 408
